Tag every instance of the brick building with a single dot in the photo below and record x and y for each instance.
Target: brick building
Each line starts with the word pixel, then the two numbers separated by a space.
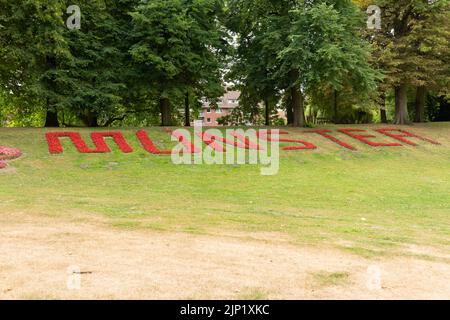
pixel 209 115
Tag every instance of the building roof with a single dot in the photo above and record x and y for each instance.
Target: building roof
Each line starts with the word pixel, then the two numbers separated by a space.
pixel 232 95
pixel 228 101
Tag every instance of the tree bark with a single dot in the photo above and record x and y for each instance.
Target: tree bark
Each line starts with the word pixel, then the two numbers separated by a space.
pixel 164 106
pixel 421 94
pixel 90 119
pixel 267 118
pixel 401 105
pixel 383 114
pixel 51 119
pixel 289 112
pixel 93 121
pixel 297 107
pixel 335 106
pixel 187 110
pixel 298 113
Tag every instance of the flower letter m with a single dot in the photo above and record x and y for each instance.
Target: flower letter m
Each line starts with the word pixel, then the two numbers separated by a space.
pixel 55 146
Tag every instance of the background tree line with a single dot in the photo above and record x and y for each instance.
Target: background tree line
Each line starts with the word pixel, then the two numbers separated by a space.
pixel 151 62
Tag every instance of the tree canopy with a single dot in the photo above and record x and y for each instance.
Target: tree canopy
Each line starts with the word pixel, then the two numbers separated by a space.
pixel 152 62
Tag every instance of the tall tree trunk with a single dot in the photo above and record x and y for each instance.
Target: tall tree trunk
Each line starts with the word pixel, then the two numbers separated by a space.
pixel 421 95
pixel 335 106
pixel 302 120
pixel 51 119
pixel 312 118
pixel 297 107
pixel 164 106
pixel 289 113
pixel 401 105
pixel 187 110
pixel 288 102
pixel 93 121
pixel 90 119
pixel 267 118
pixel 298 113
pixel 383 115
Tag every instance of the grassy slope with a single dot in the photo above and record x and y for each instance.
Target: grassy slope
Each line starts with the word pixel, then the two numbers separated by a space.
pixel 371 201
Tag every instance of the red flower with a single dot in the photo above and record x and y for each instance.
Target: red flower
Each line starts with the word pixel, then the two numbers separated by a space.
pixel 149 146
pixel 55 147
pixel 404 134
pixel 365 138
pixel 324 133
pixel 305 144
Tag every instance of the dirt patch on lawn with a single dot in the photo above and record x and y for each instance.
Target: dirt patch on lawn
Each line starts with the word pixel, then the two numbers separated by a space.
pixel 40 257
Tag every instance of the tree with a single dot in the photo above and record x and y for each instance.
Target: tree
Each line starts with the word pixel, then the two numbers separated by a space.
pixel 177 48
pixel 81 73
pixel 327 51
pixel 262 28
pixel 253 67
pixel 98 73
pixel 431 38
pixel 32 46
pixel 413 48
pixel 299 47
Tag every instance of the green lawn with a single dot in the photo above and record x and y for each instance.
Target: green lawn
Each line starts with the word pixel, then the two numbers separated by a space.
pixel 371 201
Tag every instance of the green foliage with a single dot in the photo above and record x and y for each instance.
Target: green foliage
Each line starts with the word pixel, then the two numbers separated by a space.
pixel 31 40
pixel 98 72
pixel 118 63
pixel 79 72
pixel 11 115
pixel 131 55
pixel 412 48
pixel 254 66
pixel 414 42
pixel 333 59
pixel 438 108
pixel 315 46
pixel 179 46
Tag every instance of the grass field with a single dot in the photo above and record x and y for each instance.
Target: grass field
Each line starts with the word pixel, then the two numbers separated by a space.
pixel 375 203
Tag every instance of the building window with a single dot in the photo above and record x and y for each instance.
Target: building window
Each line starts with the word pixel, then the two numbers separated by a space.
pixel 208 120
pixel 208 110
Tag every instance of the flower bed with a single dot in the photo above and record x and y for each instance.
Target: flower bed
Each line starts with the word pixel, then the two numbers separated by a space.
pixel 149 146
pixel 364 138
pixel 7 153
pixel 98 138
pixel 219 143
pixel 325 133
pixel 305 145
pixel 404 134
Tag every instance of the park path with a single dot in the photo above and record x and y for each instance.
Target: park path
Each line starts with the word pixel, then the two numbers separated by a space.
pixel 38 252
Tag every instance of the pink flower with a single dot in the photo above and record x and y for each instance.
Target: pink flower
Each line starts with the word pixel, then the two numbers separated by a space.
pixel 7 153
